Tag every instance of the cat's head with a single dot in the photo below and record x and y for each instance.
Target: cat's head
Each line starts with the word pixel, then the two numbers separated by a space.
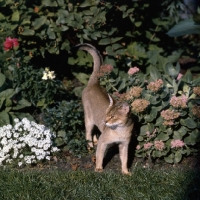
pixel 117 114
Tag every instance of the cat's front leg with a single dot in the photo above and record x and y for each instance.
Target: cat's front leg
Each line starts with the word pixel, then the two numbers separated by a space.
pixel 101 148
pixel 123 152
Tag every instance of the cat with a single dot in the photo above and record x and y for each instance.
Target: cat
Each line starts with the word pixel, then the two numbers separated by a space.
pixel 102 111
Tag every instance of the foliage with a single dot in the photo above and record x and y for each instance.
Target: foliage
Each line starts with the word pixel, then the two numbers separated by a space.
pixel 12 104
pixel 47 28
pixel 127 33
pixel 36 87
pixel 25 143
pixel 66 120
pixel 169 121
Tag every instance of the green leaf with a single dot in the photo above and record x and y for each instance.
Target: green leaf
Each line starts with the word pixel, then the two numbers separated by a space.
pixel 138 24
pixel 153 56
pixel 28 32
pixel 49 3
pixel 23 103
pixel 105 41
pixel 187 77
pixel 15 16
pixel 4 118
pixel 85 4
pixel 7 93
pixel 51 34
pixel 2 17
pixel 193 138
pixel 177 135
pixel 2 79
pixel 113 40
pixel 196 81
pixel 184 27
pixel 159 121
pixel 39 22
pixel 195 135
pixel 62 134
pixel 59 142
pixel 170 158
pixel 82 77
pixel 140 138
pixel 177 157
pixel 171 70
pixel 146 128
pixel 190 123
pixel 155 75
pixel 122 85
pixel 163 136
pixel 157 154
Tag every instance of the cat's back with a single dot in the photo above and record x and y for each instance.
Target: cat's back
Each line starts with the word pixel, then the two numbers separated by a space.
pixel 95 95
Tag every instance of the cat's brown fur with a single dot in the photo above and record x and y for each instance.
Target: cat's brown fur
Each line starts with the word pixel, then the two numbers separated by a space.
pixel 111 118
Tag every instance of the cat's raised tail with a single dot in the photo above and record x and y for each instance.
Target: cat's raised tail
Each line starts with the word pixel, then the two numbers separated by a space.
pixel 97 60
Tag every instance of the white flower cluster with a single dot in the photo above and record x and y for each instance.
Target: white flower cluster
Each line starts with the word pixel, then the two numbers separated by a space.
pixel 26 142
pixel 48 74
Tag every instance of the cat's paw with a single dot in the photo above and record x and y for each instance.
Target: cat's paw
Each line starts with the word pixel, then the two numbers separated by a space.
pixel 126 173
pixel 98 169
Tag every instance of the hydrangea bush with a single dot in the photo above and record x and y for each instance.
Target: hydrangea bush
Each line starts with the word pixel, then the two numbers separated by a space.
pixel 165 105
pixel 25 143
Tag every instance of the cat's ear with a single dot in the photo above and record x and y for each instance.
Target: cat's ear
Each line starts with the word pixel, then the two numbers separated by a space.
pixel 125 108
pixel 111 101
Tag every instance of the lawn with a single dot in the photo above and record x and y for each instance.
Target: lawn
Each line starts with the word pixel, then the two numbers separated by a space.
pixel 144 184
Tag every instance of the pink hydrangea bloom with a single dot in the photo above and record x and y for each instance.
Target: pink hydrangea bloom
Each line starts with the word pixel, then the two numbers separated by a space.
pixel 159 145
pixel 10 43
pixel 177 144
pixel 133 70
pixel 147 145
pixel 138 147
pixel 179 76
pixel 179 102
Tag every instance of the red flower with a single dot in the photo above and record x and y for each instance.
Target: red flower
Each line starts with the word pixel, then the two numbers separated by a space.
pixel 10 43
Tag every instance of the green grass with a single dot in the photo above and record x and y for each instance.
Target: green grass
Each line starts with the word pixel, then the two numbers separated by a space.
pixel 173 184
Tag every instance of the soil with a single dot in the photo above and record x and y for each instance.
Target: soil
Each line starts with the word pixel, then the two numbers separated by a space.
pixel 67 161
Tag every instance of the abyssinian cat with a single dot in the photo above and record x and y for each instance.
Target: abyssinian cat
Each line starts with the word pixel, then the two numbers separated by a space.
pixel 100 110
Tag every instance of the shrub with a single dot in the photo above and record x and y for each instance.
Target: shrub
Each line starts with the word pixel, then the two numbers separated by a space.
pixel 66 120
pixel 12 103
pixel 39 86
pixel 166 107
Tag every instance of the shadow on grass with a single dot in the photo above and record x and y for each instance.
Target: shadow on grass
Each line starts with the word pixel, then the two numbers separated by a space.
pixel 192 180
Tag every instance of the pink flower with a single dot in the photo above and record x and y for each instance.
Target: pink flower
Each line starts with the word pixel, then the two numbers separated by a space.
pixel 10 43
pixel 180 101
pixel 147 145
pixel 133 70
pixel 177 144
pixel 155 86
pixel 139 105
pixel 169 115
pixel 138 147
pixel 105 70
pixel 159 145
pixel 179 76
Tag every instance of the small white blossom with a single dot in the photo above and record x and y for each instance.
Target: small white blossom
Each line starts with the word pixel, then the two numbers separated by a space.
pixel 27 136
pixel 48 74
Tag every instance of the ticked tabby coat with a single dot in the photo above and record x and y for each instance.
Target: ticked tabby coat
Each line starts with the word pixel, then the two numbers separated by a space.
pixel 100 110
